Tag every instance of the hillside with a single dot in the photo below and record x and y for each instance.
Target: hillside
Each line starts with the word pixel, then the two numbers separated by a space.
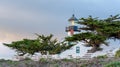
pixel 99 62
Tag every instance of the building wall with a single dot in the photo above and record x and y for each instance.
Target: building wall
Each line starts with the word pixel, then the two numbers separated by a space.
pixel 71 53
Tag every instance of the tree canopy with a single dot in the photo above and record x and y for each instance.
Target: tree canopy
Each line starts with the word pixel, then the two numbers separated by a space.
pixel 41 44
pixel 95 32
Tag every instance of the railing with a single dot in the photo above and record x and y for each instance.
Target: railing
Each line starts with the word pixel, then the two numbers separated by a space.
pixel 74 28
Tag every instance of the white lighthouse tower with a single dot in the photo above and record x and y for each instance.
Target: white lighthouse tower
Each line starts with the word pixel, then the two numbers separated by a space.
pixel 72 28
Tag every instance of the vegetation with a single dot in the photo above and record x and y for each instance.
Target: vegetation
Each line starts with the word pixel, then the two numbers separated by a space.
pixel 95 32
pixel 102 57
pixel 43 60
pixel 117 54
pixel 67 60
pixel 42 44
pixel 104 62
pixel 113 64
pixel 41 63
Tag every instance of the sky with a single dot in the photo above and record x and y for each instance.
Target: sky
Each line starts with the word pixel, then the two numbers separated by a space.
pixel 23 18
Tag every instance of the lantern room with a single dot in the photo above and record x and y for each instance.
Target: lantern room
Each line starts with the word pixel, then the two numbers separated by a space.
pixel 72 28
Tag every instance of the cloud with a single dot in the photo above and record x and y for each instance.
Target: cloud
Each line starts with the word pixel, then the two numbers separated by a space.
pixel 18 18
pixel 21 15
pixel 18 22
pixel 22 18
pixel 8 36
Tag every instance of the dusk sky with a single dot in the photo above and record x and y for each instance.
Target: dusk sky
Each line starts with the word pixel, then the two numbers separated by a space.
pixel 22 18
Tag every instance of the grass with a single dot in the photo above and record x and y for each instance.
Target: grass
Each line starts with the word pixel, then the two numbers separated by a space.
pixel 113 64
pixel 102 57
pixel 104 62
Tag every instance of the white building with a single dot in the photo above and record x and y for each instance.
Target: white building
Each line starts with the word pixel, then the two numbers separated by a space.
pixel 79 50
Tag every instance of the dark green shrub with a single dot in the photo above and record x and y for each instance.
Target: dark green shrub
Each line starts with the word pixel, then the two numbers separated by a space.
pixel 43 60
pixel 102 57
pixel 84 65
pixel 113 64
pixel 2 60
pixel 67 60
pixel 27 58
pixel 117 54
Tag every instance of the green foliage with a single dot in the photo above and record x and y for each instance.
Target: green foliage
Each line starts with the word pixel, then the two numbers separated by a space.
pixel 113 64
pixel 42 44
pixel 84 65
pixel 2 60
pixel 96 31
pixel 25 46
pixel 56 65
pixel 43 60
pixel 67 60
pixel 102 57
pixel 48 44
pixel 117 54
pixel 27 58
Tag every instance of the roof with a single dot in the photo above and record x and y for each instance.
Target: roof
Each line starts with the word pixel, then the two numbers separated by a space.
pixel 73 18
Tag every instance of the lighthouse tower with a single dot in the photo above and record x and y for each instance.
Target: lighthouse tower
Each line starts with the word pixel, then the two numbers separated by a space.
pixel 72 28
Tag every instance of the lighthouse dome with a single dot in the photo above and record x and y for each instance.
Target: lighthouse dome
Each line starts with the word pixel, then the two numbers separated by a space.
pixel 73 18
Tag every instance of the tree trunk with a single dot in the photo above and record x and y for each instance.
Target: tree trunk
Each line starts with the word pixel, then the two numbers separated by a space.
pixel 94 49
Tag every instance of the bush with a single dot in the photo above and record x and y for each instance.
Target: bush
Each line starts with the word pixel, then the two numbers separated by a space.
pixel 67 60
pixel 102 57
pixel 27 58
pixel 117 54
pixel 2 60
pixel 113 64
pixel 43 60
pixel 84 65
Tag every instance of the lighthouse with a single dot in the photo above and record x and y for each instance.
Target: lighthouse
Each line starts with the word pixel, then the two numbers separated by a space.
pixel 72 28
